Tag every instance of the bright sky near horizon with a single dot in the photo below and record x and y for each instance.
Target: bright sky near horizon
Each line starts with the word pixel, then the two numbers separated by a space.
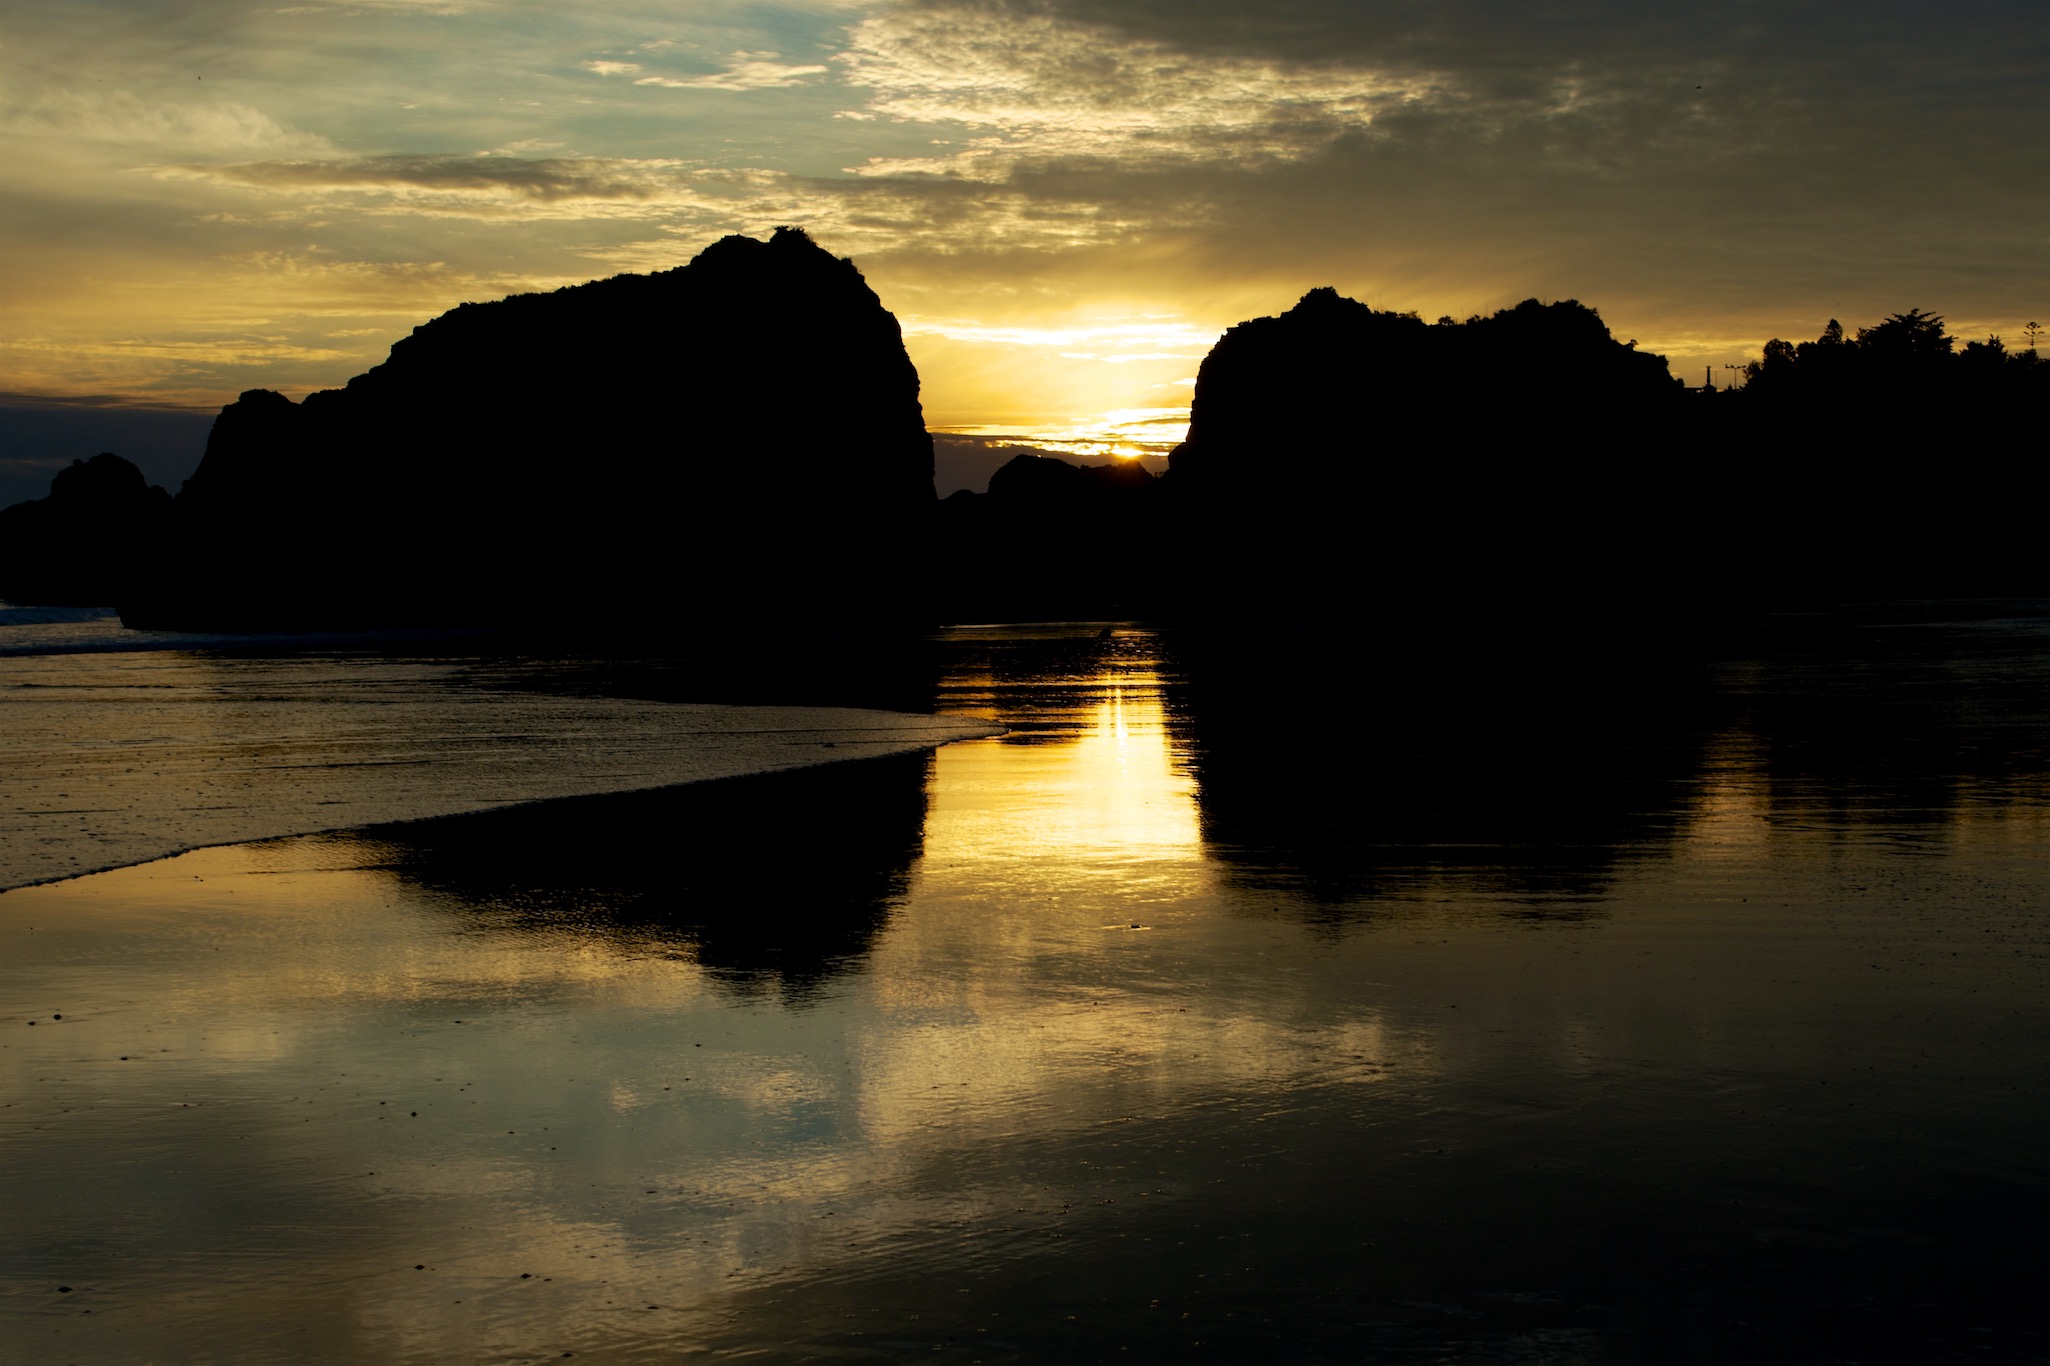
pixel 1064 201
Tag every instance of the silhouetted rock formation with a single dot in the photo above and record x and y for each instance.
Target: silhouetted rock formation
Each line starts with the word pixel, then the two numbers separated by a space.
pixel 1341 458
pixel 77 547
pixel 1356 397
pixel 1053 540
pixel 737 438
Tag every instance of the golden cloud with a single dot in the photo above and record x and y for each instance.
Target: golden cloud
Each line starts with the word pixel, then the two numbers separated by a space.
pixel 1038 89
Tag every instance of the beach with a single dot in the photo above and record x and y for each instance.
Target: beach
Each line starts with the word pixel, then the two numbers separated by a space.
pixel 1279 1012
pixel 126 746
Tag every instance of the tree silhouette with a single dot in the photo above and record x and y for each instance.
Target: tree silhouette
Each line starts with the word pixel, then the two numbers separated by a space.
pixel 1913 337
pixel 1836 433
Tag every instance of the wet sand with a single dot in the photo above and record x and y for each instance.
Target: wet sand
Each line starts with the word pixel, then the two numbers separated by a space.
pixel 1094 1041
pixel 118 758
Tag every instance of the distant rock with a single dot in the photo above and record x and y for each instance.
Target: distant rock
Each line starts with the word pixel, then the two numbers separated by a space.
pixel 1030 480
pixel 737 438
pixel 77 547
pixel 1053 540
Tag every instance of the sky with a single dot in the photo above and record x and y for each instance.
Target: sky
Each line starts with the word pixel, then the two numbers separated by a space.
pixel 1065 202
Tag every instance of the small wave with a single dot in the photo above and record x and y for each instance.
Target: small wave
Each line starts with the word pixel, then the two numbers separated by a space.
pixel 11 615
pixel 26 631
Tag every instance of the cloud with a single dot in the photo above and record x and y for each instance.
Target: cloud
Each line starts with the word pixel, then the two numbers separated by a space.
pixel 198 333
pixel 746 71
pixel 1031 87
pixel 352 8
pixel 1702 176
pixel 546 178
pixel 683 199
pixel 198 127
pixel 488 185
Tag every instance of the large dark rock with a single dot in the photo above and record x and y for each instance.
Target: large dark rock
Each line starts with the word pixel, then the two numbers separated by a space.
pixel 736 438
pixel 1342 459
pixel 1352 395
pixel 77 547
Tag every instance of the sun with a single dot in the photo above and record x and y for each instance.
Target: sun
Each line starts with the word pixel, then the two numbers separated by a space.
pixel 1108 385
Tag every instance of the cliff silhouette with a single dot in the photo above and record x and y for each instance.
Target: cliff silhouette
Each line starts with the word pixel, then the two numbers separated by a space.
pixel 1343 459
pixel 1359 397
pixel 81 545
pixel 739 441
pixel 737 438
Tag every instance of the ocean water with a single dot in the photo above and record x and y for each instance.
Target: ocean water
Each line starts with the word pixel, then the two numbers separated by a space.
pixel 1246 1003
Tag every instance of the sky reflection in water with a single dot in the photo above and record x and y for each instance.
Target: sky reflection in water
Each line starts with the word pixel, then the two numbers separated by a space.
pixel 1712 1026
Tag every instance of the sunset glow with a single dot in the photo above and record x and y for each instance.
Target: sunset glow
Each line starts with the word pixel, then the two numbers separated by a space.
pixel 1066 388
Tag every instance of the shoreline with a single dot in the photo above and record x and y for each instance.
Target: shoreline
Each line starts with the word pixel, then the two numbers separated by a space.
pixel 114 760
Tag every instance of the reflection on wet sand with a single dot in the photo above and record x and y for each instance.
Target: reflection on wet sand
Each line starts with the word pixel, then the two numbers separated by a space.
pixel 776 879
pixel 1721 1050
pixel 1530 790
pixel 1540 787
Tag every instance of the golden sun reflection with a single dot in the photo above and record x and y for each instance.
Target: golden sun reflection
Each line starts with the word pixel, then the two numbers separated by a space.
pixel 1063 881
pixel 1730 818
pixel 1106 797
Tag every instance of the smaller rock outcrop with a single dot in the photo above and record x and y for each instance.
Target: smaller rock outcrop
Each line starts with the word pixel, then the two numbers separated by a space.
pixel 82 544
pixel 1053 540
